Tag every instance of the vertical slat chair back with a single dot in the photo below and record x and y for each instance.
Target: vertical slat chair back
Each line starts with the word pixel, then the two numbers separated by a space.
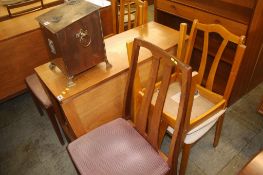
pixel 150 130
pixel 114 11
pixel 227 37
pixel 24 6
pixel 180 47
pixel 182 41
pixel 141 15
pixel 180 55
pixel 137 86
pixel 133 18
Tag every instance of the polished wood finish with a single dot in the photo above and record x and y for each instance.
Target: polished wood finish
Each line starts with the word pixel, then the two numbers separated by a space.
pixel 254 166
pixel 22 48
pixel 182 41
pixel 251 69
pixel 185 158
pixel 18 61
pixel 133 13
pixel 213 14
pixel 113 17
pixel 240 17
pixel 208 87
pixel 243 3
pixel 75 41
pixel 217 102
pixel 227 37
pixel 99 89
pixel 139 96
pixel 138 84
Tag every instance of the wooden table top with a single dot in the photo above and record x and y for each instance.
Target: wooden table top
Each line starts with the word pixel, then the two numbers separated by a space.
pixel 153 32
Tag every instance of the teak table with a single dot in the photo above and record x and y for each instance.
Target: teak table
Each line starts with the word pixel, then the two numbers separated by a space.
pixel 97 97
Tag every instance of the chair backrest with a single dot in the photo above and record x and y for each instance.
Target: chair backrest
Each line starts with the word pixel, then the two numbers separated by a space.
pixel 181 42
pixel 114 15
pixel 133 13
pixel 30 7
pixel 137 80
pixel 150 128
pixel 227 37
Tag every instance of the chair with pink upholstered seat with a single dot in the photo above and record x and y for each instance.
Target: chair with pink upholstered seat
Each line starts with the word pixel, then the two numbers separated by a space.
pixel 121 147
pixel 42 100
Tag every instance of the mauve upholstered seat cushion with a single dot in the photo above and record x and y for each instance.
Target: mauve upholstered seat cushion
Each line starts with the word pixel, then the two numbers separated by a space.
pixel 116 148
pixel 37 89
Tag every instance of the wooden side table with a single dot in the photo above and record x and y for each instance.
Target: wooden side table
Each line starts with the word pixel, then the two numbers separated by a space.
pixel 254 167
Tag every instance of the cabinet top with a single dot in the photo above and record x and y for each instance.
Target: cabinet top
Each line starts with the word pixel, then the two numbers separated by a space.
pixel 66 14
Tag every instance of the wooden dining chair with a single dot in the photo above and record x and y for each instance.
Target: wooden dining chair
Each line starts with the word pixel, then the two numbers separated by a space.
pixel 139 85
pixel 122 147
pixel 208 108
pixel 132 13
pixel 42 100
pixel 22 6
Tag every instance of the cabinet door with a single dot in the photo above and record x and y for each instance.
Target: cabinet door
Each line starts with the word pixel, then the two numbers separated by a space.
pixel 19 56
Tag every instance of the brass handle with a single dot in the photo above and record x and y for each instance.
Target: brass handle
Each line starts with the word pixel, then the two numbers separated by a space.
pixel 84 37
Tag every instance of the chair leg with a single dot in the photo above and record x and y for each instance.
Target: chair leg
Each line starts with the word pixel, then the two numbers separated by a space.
pixel 185 157
pixel 36 103
pixel 73 162
pixel 219 125
pixel 53 120
pixel 162 131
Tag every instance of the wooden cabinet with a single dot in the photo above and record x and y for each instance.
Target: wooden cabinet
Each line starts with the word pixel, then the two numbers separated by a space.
pixel 237 16
pixel 234 17
pixel 191 12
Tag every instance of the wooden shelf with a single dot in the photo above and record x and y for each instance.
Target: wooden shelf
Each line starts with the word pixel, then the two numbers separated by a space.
pixel 221 8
